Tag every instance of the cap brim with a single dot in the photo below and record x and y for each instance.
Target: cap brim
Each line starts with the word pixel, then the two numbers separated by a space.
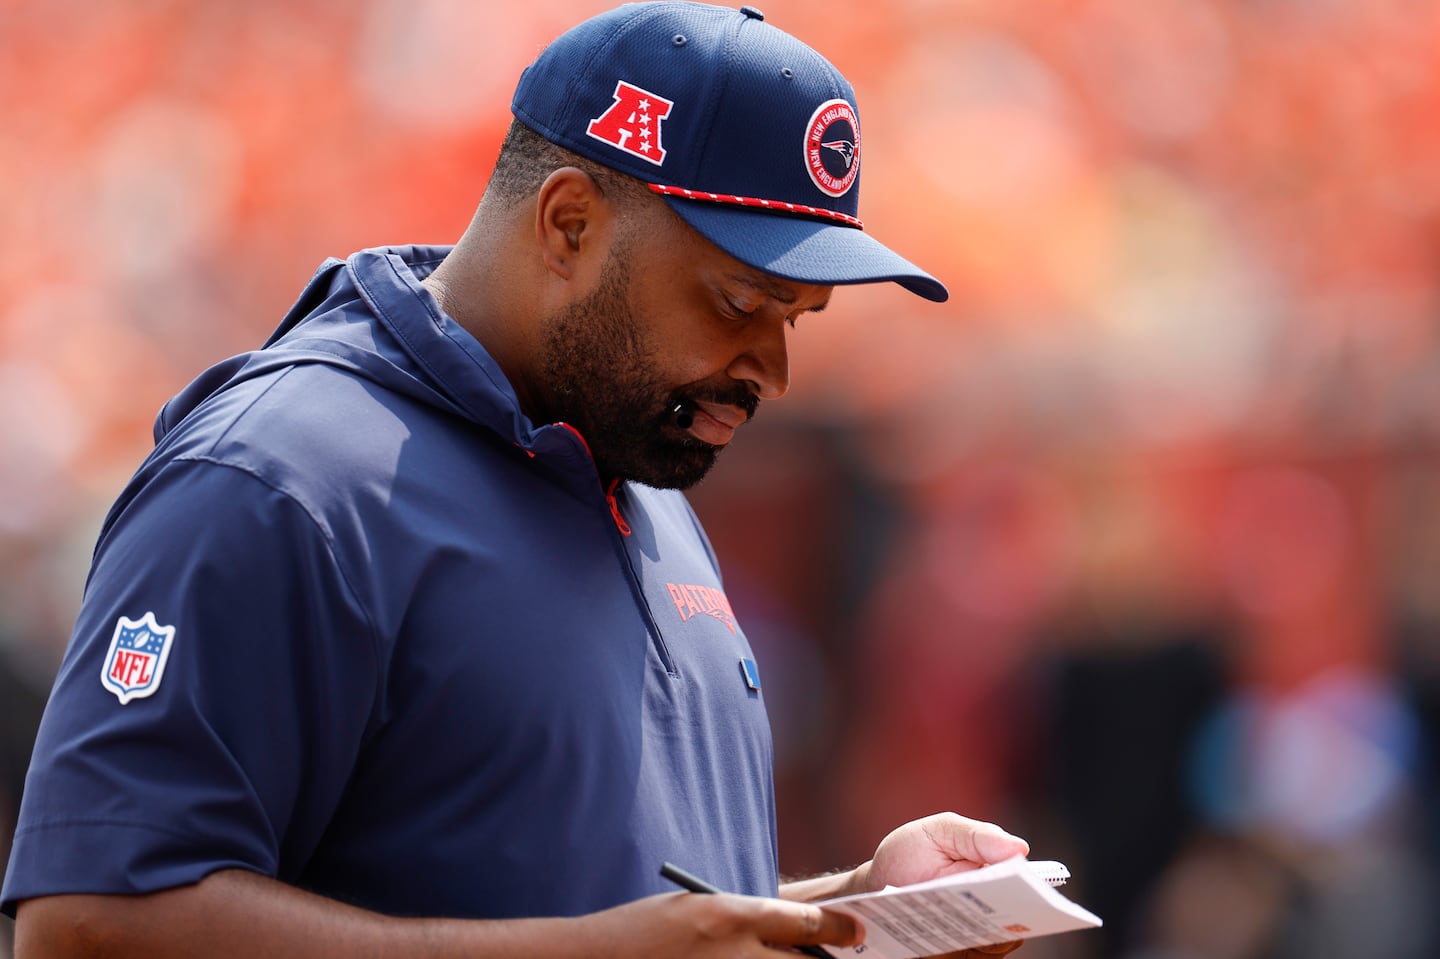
pixel 803 249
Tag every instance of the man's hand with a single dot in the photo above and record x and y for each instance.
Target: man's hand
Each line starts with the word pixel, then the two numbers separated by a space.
pixel 936 846
pixel 722 926
pixel 923 849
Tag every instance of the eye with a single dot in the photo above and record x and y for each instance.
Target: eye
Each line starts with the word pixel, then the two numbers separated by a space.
pixel 738 309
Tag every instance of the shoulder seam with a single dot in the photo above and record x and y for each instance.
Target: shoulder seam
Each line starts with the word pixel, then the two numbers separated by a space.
pixel 324 534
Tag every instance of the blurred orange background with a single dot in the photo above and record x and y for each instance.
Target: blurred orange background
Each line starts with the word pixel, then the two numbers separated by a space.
pixel 1133 546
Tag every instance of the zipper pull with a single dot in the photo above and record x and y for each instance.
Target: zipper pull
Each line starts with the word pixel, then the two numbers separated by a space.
pixel 620 523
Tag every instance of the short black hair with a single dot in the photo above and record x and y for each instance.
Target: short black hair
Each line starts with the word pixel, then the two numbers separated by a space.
pixel 527 158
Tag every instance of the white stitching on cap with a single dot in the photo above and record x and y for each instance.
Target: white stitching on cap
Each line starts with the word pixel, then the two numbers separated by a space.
pixel 844 218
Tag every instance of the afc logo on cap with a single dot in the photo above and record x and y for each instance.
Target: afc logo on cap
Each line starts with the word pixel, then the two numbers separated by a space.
pixel 832 147
pixel 632 123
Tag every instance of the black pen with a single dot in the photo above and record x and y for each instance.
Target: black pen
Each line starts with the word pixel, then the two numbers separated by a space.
pixel 694 883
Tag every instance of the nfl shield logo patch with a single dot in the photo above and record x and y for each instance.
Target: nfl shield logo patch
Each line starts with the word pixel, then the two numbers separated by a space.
pixel 137 656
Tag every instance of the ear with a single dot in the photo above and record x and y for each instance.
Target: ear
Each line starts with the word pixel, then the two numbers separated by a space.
pixel 571 217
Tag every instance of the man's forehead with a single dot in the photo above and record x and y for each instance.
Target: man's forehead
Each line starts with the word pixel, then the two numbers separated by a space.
pixel 786 291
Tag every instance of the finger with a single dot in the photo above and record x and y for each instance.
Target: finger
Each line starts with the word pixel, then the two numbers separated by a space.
pixel 974 840
pixel 794 923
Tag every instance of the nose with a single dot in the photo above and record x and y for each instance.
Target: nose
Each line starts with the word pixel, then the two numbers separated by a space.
pixel 764 360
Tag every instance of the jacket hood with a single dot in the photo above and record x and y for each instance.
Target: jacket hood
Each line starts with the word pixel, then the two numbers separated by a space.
pixel 369 314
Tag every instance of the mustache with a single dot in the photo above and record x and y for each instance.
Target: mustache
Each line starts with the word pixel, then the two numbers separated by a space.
pixel 739 397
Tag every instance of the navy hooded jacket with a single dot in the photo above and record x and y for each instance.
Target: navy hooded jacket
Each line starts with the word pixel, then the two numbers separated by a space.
pixel 357 624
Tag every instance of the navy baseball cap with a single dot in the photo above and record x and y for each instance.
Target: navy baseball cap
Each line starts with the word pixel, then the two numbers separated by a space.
pixel 752 137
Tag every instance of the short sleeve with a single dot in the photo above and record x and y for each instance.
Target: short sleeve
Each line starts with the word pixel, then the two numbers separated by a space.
pixel 219 683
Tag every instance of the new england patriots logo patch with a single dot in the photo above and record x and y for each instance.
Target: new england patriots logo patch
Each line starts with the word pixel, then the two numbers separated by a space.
pixel 832 147
pixel 136 660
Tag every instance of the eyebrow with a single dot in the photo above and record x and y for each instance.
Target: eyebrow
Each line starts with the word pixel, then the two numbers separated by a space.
pixel 772 288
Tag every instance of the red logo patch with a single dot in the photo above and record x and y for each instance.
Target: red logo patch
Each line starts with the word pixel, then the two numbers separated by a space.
pixel 832 147
pixel 632 123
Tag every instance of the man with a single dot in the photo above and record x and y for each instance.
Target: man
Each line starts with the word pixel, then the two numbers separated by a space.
pixel 393 645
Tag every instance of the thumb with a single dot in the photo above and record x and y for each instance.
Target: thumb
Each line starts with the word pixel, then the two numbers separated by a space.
pixel 975 840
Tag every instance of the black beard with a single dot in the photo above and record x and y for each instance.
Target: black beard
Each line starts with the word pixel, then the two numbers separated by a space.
pixel 596 379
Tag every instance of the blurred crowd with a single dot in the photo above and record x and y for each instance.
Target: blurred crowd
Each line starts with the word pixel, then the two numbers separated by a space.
pixel 1131 546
